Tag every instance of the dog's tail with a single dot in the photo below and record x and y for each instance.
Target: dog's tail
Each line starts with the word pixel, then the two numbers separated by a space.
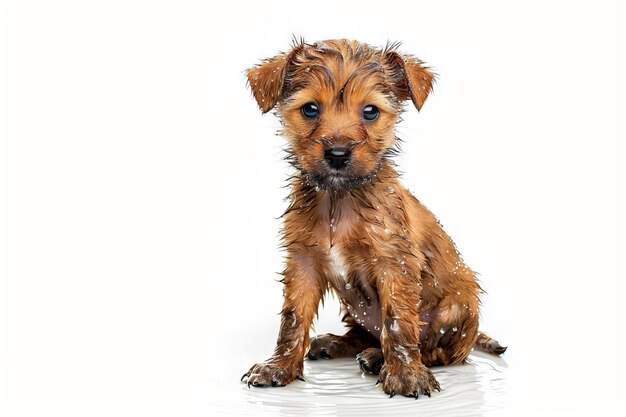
pixel 489 344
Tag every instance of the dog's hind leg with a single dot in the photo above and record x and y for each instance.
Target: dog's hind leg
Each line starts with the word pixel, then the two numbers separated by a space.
pixel 488 344
pixel 330 346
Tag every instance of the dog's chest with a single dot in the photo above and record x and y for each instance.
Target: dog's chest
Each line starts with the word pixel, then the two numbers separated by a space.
pixel 357 294
pixel 336 229
pixel 340 272
pixel 342 235
pixel 337 263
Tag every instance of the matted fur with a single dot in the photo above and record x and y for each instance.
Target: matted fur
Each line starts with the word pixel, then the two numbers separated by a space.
pixel 408 298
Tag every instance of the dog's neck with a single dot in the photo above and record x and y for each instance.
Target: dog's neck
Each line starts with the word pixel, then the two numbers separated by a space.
pixel 338 208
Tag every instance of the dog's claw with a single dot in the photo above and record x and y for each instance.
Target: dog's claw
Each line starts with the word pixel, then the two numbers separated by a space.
pixel 245 375
pixel 378 382
pixel 301 378
pixel 427 392
pixel 415 394
pixel 393 393
pixel 437 386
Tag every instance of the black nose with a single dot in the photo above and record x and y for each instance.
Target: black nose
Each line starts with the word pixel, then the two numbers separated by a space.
pixel 337 158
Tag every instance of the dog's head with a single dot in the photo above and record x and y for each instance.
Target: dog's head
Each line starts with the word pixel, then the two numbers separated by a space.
pixel 339 101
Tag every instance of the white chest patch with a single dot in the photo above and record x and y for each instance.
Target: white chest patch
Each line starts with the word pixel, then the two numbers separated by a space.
pixel 337 263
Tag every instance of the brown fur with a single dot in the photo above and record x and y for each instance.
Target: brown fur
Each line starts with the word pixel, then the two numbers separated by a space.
pixel 402 284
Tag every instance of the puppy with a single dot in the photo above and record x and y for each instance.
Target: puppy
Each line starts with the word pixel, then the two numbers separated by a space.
pixel 408 299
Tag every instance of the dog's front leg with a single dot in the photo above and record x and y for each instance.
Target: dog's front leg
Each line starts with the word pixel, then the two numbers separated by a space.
pixel 403 371
pixel 303 291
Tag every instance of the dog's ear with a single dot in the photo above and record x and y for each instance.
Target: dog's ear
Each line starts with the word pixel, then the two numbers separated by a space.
pixel 410 78
pixel 267 79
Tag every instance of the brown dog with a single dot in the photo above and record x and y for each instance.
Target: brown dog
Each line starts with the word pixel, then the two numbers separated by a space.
pixel 409 299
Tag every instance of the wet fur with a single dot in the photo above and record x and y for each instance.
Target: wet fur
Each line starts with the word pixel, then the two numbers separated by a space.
pixel 408 298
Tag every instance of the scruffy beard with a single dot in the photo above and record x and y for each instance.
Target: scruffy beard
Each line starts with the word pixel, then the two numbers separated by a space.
pixel 337 181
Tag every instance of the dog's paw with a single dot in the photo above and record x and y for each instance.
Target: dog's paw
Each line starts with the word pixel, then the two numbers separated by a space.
pixel 371 360
pixel 326 346
pixel 270 375
pixel 410 381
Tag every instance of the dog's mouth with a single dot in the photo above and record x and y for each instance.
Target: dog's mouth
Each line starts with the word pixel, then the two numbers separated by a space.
pixel 338 180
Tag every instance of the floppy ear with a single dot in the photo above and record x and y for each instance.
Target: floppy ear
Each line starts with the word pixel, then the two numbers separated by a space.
pixel 267 79
pixel 410 78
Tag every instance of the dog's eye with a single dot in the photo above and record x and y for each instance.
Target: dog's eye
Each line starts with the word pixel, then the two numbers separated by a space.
pixel 310 110
pixel 370 112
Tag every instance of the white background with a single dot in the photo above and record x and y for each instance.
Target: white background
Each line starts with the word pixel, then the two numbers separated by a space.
pixel 142 188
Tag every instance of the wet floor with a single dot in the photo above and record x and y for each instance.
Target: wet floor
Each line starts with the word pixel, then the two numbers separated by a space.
pixel 339 387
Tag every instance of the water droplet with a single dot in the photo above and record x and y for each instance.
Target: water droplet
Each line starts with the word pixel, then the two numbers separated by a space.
pixel 454 329
pixel 394 326
pixel 458 292
pixel 376 328
pixel 463 334
pixel 348 286
pixel 442 330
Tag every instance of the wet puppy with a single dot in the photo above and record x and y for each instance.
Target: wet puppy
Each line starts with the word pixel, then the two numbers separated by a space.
pixel 409 300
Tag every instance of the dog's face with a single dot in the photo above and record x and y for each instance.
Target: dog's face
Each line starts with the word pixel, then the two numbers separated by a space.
pixel 339 102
